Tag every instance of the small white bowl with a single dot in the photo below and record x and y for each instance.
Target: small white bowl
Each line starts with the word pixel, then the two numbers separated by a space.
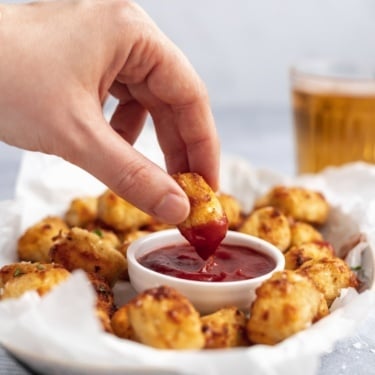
pixel 206 296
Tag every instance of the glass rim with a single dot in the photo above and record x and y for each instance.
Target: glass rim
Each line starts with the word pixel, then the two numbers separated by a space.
pixel 334 69
pixel 346 76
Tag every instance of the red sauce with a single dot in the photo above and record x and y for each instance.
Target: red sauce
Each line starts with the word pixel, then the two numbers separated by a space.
pixel 229 263
pixel 206 238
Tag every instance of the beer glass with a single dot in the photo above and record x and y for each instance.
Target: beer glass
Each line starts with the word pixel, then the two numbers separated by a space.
pixel 334 114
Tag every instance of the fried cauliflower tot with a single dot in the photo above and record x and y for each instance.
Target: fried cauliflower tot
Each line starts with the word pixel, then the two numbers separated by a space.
pixel 80 249
pixel 155 225
pixel 298 255
pixel 105 304
pixel 303 232
pixel 329 275
pixel 105 298
pixel 207 224
pixel 232 209
pixel 123 248
pixel 14 270
pixel 82 212
pixel 107 236
pixel 121 326
pixel 225 328
pixel 130 237
pixel 19 278
pixel 119 214
pixel 35 243
pixel 269 224
pixel 163 318
pixel 297 202
pixel 104 320
pixel 285 304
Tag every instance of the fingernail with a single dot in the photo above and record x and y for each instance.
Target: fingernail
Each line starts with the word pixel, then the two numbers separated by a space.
pixel 172 209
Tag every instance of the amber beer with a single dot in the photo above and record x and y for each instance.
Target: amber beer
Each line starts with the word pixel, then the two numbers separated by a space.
pixel 334 121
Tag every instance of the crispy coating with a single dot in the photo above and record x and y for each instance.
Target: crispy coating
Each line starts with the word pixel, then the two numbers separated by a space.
pixel 205 205
pixel 232 209
pixel 107 236
pixel 163 318
pixel 285 304
pixel 121 326
pixel 119 214
pixel 104 320
pixel 225 328
pixel 206 225
pixel 303 232
pixel 105 298
pixel 35 243
pixel 300 203
pixel 14 270
pixel 270 224
pixel 105 304
pixel 329 275
pixel 123 248
pixel 155 225
pixel 130 237
pixel 80 249
pixel 298 255
pixel 18 278
pixel 82 212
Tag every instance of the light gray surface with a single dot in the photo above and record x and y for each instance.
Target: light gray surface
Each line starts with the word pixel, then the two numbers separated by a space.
pixel 265 139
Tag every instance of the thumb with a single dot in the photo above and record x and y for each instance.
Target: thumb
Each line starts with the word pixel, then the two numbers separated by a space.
pixel 108 157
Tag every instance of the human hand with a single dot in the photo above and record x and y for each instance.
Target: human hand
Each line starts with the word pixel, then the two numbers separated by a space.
pixel 58 62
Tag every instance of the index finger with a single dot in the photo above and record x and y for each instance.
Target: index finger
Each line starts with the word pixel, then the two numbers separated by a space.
pixel 160 77
pixel 185 124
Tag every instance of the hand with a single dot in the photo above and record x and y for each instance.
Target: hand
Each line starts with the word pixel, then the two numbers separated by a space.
pixel 59 60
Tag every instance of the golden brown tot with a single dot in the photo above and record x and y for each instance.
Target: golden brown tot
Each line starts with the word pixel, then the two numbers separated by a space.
pixel 330 275
pixel 35 243
pixel 163 318
pixel 232 209
pixel 285 304
pixel 80 249
pixel 207 224
pixel 82 212
pixel 297 202
pixel 303 232
pixel 119 214
pixel 225 328
pixel 120 323
pixel 269 224
pixel 18 278
pixel 296 256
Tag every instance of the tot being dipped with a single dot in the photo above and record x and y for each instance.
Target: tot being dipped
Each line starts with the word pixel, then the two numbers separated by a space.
pixel 207 224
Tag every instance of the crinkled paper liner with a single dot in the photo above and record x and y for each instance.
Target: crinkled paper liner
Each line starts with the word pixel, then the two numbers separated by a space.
pixel 59 334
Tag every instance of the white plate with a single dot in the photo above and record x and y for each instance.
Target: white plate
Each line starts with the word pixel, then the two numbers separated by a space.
pixel 57 334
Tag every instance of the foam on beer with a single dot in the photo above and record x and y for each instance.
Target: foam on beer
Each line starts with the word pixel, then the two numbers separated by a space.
pixel 331 78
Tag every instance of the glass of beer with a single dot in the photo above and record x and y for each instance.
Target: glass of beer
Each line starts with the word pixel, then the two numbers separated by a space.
pixel 334 114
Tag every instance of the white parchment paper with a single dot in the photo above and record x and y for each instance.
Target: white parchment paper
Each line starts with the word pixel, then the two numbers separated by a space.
pixel 58 334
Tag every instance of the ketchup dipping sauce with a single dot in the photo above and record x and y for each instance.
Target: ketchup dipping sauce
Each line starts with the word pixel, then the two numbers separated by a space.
pixel 227 278
pixel 229 263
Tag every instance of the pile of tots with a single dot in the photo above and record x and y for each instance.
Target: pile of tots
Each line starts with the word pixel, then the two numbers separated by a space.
pixel 94 233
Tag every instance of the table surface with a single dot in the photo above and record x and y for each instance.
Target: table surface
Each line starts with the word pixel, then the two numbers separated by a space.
pixel 265 139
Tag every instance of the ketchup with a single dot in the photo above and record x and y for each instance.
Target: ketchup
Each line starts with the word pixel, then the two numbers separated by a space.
pixel 206 237
pixel 229 263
